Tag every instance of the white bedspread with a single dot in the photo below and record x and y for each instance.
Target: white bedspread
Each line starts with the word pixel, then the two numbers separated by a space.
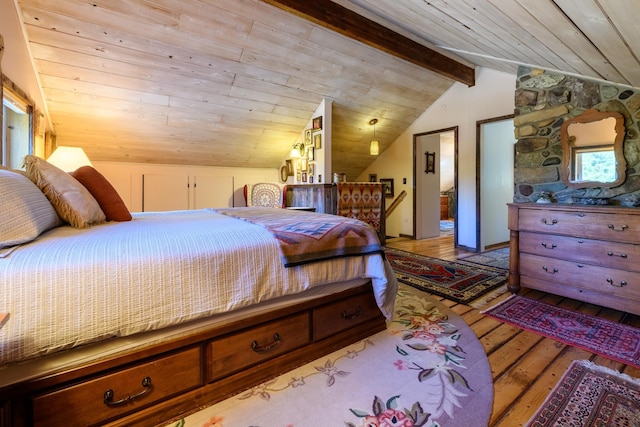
pixel 72 287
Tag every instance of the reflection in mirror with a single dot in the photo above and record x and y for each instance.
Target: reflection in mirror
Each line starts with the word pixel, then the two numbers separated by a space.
pixel 592 154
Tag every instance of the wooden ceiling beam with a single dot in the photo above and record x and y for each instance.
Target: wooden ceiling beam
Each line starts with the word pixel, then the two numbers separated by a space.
pixel 348 23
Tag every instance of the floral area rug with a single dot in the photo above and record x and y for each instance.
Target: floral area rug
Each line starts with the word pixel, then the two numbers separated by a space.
pixel 598 335
pixel 427 369
pixel 591 395
pixel 460 281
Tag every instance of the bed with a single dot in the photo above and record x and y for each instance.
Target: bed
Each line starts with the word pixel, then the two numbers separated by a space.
pixel 137 322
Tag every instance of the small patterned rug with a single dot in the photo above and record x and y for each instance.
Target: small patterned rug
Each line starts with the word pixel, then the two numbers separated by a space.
pixel 427 368
pixel 591 395
pixel 498 258
pixel 460 281
pixel 598 335
pixel 446 228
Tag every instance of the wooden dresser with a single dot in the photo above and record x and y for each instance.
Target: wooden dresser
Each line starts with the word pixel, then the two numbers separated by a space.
pixel 589 253
pixel 444 208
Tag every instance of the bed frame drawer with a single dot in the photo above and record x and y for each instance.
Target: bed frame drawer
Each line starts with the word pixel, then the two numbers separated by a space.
pixel 251 346
pixel 84 404
pixel 344 314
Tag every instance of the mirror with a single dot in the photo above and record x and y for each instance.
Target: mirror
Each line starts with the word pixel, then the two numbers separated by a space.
pixel 592 153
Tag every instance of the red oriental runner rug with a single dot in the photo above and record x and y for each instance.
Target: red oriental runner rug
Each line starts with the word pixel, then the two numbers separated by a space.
pixel 460 281
pixel 598 335
pixel 590 395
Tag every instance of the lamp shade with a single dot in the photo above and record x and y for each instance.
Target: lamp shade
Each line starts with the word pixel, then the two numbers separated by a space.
pixel 374 148
pixel 297 151
pixel 69 158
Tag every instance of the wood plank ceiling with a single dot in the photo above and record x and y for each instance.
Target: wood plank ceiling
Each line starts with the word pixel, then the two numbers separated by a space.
pixel 233 82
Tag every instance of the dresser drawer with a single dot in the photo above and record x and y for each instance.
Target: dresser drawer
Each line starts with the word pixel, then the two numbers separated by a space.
pixel 560 272
pixel 251 346
pixel 624 256
pixel 343 314
pixel 84 403
pixel 593 225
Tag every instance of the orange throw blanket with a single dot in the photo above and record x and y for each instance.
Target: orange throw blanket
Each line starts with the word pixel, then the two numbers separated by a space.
pixel 306 237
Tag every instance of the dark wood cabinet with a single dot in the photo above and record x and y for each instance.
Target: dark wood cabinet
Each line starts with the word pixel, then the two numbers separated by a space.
pixel 322 197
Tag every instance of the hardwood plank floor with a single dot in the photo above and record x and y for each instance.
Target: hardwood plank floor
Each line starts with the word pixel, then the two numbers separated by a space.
pixel 525 366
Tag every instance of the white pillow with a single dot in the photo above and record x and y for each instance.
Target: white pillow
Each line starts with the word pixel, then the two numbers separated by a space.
pixel 25 212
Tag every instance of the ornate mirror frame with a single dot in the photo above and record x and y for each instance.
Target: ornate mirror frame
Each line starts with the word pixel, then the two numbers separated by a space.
pixel 568 143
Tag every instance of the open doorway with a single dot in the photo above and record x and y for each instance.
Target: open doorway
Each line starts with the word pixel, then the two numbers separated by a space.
pixel 435 177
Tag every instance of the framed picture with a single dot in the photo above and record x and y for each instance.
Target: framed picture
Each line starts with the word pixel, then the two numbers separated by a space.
pixel 284 173
pixel 311 154
pixel 316 123
pixel 373 177
pixel 387 186
pixel 317 140
pixel 312 168
pixel 304 177
pixel 430 162
pixel 289 167
pixel 304 165
pixel 307 137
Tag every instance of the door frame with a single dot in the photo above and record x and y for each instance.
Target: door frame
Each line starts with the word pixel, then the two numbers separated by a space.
pixel 453 129
pixel 479 124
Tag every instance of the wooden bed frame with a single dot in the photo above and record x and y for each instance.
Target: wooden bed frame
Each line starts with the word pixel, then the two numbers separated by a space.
pixel 167 380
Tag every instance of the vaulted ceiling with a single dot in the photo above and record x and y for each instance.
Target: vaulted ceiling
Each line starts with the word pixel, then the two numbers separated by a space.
pixel 234 82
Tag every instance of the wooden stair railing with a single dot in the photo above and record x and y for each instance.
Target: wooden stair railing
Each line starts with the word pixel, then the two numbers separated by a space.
pixel 395 203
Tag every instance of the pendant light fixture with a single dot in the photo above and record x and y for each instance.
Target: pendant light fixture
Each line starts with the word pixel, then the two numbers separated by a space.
pixel 374 146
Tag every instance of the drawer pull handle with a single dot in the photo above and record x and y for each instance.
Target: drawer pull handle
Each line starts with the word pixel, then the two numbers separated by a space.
pixel 108 395
pixel 553 221
pixel 554 271
pixel 622 283
pixel 552 246
pixel 613 227
pixel 612 254
pixel 352 316
pixel 263 349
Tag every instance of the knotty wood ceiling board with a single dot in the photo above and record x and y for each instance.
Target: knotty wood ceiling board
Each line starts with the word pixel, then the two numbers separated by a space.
pixel 233 82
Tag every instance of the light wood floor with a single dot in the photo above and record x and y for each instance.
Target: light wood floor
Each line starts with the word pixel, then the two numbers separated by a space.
pixel 525 366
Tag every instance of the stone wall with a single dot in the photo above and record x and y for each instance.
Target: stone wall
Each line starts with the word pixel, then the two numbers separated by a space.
pixel 543 101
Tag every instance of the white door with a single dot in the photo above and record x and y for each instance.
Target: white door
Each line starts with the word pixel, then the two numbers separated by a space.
pixel 496 180
pixel 427 187
pixel 165 192
pixel 212 191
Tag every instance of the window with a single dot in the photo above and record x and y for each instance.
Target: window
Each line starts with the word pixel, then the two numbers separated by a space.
pixel 594 164
pixel 17 129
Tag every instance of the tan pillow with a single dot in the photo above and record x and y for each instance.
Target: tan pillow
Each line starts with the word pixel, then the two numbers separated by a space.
pixel 107 197
pixel 70 199
pixel 25 212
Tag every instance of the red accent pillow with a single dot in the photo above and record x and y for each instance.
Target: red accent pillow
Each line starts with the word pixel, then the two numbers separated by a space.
pixel 107 197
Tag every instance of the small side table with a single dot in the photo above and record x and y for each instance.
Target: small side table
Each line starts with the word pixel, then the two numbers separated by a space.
pixel 4 317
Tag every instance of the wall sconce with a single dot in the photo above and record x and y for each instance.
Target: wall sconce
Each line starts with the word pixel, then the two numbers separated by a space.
pixel 374 145
pixel 69 158
pixel 297 151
